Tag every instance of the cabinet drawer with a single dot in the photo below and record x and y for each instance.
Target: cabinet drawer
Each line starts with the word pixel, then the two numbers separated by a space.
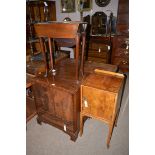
pixel 123 28
pixel 121 61
pixel 97 53
pixel 121 42
pixel 99 60
pixel 97 46
pixel 121 52
pixel 98 103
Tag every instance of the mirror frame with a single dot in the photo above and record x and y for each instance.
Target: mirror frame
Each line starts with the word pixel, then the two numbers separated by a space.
pixel 84 5
pixel 67 6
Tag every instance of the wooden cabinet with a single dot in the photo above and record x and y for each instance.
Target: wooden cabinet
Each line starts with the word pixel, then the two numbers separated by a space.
pixel 30 103
pixel 57 97
pixel 101 97
pixel 99 49
pixel 58 104
pixel 120 52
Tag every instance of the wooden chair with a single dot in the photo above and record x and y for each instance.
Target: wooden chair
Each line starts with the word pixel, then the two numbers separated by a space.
pixel 59 30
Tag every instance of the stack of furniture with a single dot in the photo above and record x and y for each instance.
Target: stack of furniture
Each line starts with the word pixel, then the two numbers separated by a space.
pixel 57 91
pixel 61 85
pixel 57 95
pixel 120 42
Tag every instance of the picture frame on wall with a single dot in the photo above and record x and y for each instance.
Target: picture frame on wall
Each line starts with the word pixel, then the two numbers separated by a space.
pixel 84 5
pixel 67 6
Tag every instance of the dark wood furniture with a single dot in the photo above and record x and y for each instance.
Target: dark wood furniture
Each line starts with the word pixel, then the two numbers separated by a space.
pixel 101 97
pixel 120 52
pixel 122 26
pixel 57 97
pixel 99 49
pixel 100 39
pixel 120 42
pixel 58 30
pixel 36 67
pixel 37 11
pixel 30 103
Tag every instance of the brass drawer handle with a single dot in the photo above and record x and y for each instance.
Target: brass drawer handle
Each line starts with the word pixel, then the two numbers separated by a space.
pixel 127 41
pixel 124 62
pixel 127 47
pixel 126 52
pixel 99 50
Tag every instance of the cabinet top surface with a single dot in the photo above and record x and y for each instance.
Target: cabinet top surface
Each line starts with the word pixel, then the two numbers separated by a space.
pixel 57 22
pixel 104 82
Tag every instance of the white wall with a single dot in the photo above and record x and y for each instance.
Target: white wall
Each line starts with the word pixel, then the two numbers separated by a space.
pixel 75 16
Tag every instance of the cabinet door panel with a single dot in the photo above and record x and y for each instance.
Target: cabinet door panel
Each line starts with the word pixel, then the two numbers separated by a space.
pixel 63 101
pixel 41 96
pixel 100 103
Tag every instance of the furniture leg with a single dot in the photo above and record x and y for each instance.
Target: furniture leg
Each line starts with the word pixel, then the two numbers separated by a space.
pixel 39 121
pixel 81 125
pixel 77 56
pixel 51 55
pixel 109 134
pixel 116 119
pixel 83 50
pixel 44 55
pixel 73 138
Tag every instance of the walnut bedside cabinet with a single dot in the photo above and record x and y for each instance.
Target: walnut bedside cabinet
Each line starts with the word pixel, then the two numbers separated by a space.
pixel 101 94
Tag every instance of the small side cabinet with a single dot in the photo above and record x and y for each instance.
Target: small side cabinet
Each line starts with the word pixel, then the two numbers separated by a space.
pixel 58 104
pixel 101 94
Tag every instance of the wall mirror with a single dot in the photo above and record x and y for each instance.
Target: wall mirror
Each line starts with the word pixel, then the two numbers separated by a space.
pixel 67 6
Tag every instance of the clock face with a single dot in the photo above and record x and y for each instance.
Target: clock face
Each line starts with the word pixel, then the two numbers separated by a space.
pixel 102 3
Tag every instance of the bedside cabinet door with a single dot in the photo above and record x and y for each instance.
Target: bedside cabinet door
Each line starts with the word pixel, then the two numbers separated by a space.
pixel 98 103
